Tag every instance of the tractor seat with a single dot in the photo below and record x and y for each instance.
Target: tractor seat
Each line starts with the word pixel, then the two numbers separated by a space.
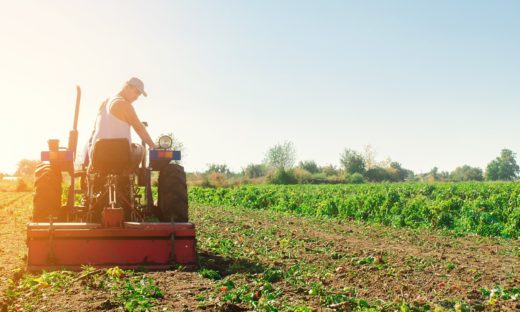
pixel 111 156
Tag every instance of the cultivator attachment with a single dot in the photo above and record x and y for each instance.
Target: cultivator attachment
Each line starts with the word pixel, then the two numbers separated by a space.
pixel 134 245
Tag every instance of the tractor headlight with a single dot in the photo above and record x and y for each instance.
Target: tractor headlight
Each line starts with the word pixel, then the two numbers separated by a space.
pixel 165 142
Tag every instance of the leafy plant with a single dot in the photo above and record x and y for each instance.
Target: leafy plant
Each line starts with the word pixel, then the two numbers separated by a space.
pixel 209 273
pixel 138 294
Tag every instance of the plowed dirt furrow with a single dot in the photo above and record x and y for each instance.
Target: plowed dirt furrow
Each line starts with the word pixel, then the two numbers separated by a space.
pixel 15 211
pixel 261 260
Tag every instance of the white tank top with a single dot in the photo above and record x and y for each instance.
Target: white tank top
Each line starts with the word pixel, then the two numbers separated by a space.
pixel 109 126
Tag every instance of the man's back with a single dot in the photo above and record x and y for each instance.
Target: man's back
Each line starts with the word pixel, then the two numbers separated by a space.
pixel 109 125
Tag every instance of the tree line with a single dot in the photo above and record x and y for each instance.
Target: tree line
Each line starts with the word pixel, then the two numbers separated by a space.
pixel 502 168
pixel 279 167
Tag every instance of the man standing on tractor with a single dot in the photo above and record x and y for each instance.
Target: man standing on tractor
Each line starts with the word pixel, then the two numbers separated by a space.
pixel 116 116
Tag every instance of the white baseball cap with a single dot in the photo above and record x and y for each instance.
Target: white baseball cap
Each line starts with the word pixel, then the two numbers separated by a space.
pixel 136 82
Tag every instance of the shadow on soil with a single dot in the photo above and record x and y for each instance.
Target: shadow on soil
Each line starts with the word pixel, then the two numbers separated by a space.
pixel 226 266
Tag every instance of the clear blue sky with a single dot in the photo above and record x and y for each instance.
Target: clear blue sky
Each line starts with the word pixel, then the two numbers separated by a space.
pixel 426 83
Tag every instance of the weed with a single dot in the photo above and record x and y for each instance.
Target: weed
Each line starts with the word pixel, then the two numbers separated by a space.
pixel 316 289
pixel 418 263
pixel 30 288
pixel 299 309
pixel 138 294
pixel 477 276
pixel 450 266
pixel 501 293
pixel 273 275
pixel 209 273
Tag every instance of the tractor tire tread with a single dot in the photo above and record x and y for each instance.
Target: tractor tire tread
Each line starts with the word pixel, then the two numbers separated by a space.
pixel 172 194
pixel 47 193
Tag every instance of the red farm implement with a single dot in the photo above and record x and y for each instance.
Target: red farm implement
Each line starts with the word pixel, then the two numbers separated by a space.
pixel 114 225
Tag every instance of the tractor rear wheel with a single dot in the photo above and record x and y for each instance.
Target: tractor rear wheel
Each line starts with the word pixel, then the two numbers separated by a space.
pixel 47 193
pixel 173 194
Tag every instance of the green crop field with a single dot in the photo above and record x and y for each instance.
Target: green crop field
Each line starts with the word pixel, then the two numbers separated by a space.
pixel 489 209
pixel 372 247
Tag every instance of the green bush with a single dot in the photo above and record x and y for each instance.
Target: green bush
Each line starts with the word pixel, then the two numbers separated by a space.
pixel 356 178
pixel 282 176
pixel 302 176
pixel 255 171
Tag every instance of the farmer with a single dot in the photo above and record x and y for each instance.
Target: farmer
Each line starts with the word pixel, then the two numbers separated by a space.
pixel 116 116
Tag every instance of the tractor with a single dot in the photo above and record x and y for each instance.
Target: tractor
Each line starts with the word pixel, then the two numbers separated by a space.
pixel 109 217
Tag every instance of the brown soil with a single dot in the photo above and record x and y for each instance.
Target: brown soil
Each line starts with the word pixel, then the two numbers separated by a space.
pixel 413 266
pixel 14 214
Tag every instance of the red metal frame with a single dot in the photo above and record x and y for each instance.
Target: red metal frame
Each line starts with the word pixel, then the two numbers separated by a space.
pixel 132 246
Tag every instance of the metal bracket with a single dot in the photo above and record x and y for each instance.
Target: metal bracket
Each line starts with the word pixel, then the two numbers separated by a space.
pixel 112 189
pixel 51 257
pixel 172 241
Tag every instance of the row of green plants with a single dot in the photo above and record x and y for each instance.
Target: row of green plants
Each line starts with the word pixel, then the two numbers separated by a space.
pixel 271 267
pixel 263 292
pixel 488 209
pixel 264 295
pixel 131 291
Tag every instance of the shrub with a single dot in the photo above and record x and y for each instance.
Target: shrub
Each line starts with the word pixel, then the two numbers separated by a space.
pixel 309 165
pixel 219 168
pixel 336 179
pixel 330 170
pixel 302 176
pixel 255 171
pixel 217 179
pixel 356 178
pixel 377 174
pixel 282 176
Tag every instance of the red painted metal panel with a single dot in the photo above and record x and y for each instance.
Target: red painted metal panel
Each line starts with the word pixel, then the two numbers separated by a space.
pixel 135 245
pixel 113 217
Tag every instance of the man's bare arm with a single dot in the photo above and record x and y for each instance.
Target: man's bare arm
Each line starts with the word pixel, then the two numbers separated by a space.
pixel 127 110
pixel 143 134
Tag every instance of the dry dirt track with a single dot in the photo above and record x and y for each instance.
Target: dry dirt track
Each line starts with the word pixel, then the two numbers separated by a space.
pixel 320 264
pixel 14 215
